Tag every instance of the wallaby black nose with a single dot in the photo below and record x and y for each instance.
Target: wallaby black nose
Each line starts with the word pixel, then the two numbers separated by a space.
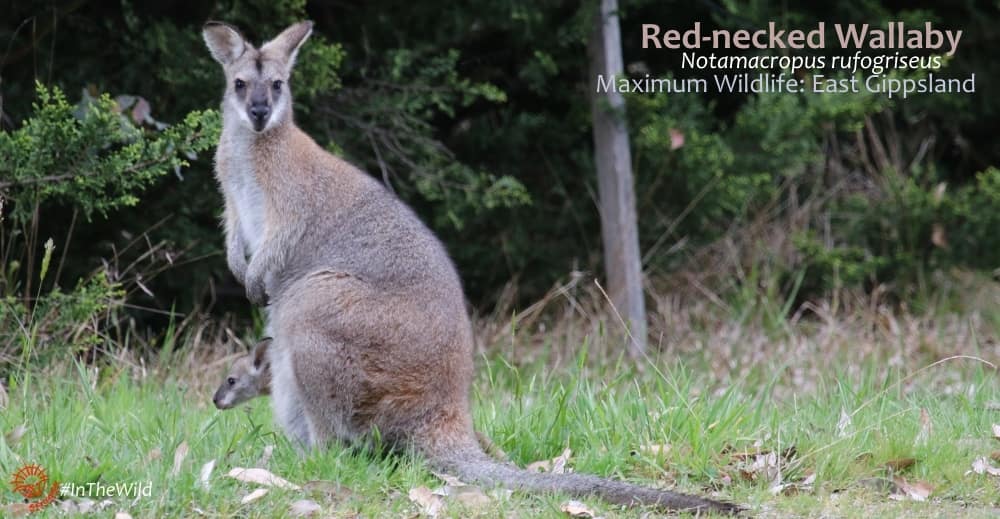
pixel 259 111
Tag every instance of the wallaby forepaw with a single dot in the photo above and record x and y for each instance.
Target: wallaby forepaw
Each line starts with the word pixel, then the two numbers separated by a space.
pixel 256 292
pixel 238 266
pixel 240 276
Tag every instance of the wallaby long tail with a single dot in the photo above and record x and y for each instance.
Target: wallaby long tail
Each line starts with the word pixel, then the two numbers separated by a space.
pixel 471 465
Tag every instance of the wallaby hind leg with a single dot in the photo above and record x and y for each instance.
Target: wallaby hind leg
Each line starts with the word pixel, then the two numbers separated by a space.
pixel 326 384
pixel 286 401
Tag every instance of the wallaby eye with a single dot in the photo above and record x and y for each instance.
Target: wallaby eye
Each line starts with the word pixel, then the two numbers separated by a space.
pixel 231 381
pixel 240 84
pixel 277 85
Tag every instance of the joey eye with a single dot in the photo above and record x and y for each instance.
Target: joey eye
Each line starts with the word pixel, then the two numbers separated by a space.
pixel 240 84
pixel 277 84
pixel 231 381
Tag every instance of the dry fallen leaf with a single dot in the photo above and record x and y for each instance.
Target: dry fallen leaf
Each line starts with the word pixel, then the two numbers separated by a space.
pixel 154 454
pixel 179 455
pixel 205 474
pixel 938 236
pixel 559 462
pixel 752 453
pixel 764 466
pixel 899 465
pixel 539 466
pixel 939 192
pixel 794 487
pixel 429 502
pixel 16 510
pixel 266 456
pixel 877 484
pixel 577 509
pixel 925 428
pixel 844 424
pixel 469 496
pixel 253 496
pixel 782 488
pixel 982 466
pixel 261 477
pixel 555 465
pixel 501 494
pixel 722 480
pixel 676 139
pixel 138 108
pixel 491 448
pixel 915 490
pixel 304 508
pixel 329 489
pixel 15 435
pixel 87 506
pixel 652 450
pixel 3 390
pixel 449 479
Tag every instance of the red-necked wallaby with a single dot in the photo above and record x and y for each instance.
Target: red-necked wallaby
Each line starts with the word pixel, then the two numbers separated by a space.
pixel 366 309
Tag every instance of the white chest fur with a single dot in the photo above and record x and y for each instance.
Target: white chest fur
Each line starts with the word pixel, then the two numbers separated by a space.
pixel 248 198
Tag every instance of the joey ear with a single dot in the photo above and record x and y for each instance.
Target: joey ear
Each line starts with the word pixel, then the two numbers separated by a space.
pixel 290 40
pixel 224 41
pixel 260 353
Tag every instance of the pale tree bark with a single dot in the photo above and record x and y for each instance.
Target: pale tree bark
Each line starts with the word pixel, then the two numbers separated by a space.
pixel 619 228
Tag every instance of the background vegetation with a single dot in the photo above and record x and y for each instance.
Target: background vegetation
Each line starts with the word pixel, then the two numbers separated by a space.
pixel 477 116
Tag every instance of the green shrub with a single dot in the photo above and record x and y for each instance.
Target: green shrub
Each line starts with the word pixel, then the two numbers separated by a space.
pixel 95 157
pixel 92 156
pixel 920 225
pixel 56 325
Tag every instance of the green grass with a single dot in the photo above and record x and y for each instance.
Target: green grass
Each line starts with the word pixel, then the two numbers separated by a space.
pixel 85 426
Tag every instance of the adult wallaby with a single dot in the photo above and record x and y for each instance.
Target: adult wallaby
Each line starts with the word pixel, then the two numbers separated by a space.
pixel 365 307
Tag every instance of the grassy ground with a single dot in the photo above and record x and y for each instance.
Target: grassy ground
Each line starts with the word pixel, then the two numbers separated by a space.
pixel 734 406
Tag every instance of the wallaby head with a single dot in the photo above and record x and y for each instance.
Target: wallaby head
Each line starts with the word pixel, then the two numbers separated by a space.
pixel 248 378
pixel 257 92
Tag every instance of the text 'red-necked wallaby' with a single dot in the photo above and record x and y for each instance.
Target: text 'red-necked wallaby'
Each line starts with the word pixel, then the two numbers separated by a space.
pixel 365 307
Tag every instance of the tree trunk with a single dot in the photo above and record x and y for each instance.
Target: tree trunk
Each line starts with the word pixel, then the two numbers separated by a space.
pixel 619 228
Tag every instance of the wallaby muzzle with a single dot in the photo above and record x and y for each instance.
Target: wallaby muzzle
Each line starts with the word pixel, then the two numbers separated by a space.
pixel 259 108
pixel 220 400
pixel 217 400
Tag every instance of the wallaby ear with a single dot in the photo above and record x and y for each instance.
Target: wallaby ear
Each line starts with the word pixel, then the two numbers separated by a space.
pixel 224 41
pixel 290 40
pixel 260 352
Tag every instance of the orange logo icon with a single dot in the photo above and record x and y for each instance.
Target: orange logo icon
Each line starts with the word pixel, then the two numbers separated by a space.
pixel 30 481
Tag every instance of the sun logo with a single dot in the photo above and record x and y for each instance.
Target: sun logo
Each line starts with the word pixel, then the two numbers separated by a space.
pixel 30 481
